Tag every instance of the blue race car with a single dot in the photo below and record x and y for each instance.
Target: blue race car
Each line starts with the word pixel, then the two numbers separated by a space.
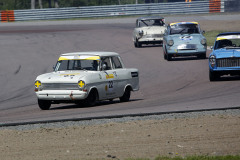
pixel 184 39
pixel 225 57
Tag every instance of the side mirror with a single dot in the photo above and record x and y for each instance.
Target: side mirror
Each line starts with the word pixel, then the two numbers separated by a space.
pixel 203 32
pixel 211 47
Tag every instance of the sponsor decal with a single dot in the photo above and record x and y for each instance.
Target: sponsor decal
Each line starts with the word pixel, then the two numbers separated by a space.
pixel 109 76
pixel 186 38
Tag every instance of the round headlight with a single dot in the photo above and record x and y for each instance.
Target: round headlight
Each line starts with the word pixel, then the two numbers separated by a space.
pixel 212 60
pixel 203 41
pixel 140 33
pixel 38 84
pixel 170 42
pixel 81 84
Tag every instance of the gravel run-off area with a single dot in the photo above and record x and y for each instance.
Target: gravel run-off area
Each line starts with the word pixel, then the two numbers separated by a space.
pixel 180 134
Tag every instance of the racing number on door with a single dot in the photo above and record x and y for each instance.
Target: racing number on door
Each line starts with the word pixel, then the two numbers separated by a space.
pixel 110 85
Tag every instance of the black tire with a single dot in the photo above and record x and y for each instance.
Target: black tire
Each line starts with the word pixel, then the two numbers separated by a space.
pixel 169 57
pixel 44 104
pixel 202 56
pixel 135 44
pixel 164 53
pixel 91 100
pixel 213 76
pixel 126 95
pixel 138 44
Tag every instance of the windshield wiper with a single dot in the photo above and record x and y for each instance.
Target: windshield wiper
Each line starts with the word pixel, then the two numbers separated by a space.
pixel 181 30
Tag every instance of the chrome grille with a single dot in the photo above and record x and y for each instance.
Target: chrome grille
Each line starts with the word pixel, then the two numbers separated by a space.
pixel 153 36
pixel 60 86
pixel 228 62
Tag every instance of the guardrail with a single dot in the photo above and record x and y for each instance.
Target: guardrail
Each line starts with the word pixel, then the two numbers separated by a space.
pixel 194 7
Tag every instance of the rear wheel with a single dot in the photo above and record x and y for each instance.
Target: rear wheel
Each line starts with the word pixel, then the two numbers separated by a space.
pixel 126 96
pixel 44 104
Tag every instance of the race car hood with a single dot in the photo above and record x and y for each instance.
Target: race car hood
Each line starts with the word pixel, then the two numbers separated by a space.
pixel 187 38
pixel 153 30
pixel 63 76
pixel 227 53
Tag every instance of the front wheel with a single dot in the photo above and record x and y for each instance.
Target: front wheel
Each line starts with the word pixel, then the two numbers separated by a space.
pixel 44 104
pixel 164 53
pixel 126 96
pixel 169 57
pixel 202 56
pixel 91 100
pixel 138 44
pixel 213 76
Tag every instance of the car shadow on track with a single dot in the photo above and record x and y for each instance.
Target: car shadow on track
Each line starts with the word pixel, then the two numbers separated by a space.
pixel 228 78
pixel 151 45
pixel 101 103
pixel 192 58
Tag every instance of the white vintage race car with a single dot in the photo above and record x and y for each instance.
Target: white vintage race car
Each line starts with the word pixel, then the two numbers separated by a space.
pixel 149 30
pixel 85 78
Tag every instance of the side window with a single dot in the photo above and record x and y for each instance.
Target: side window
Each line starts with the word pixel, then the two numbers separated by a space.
pixel 168 30
pixel 107 62
pixel 116 62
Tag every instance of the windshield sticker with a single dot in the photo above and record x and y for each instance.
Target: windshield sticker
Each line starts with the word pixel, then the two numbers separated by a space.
pixel 186 38
pixel 228 37
pixel 81 57
pixel 177 23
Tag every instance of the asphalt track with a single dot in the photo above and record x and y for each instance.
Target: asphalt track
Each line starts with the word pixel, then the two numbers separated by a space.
pixel 28 49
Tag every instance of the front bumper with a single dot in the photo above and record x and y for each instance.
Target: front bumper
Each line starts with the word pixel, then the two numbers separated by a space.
pixel 186 50
pixel 150 39
pixel 176 52
pixel 61 95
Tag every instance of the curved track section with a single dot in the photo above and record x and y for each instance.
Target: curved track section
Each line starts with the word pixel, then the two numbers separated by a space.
pixel 28 50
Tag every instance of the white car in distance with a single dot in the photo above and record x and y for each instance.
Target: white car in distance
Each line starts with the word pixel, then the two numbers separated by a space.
pixel 149 30
pixel 85 78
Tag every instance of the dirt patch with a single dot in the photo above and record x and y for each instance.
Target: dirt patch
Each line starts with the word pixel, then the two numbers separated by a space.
pixel 205 135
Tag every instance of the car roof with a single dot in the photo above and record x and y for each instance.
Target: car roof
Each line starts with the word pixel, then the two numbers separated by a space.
pixel 150 18
pixel 228 33
pixel 183 23
pixel 94 53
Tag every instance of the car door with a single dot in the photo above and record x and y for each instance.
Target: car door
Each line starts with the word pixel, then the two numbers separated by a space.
pixel 121 75
pixel 109 82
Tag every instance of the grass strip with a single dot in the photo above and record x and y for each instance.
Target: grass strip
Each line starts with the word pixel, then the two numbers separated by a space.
pixel 227 157
pixel 211 36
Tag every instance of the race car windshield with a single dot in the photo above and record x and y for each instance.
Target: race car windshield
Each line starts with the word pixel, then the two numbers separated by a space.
pixel 151 22
pixel 91 65
pixel 184 29
pixel 227 44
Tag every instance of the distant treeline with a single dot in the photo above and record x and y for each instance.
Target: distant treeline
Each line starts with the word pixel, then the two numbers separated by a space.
pixel 28 4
